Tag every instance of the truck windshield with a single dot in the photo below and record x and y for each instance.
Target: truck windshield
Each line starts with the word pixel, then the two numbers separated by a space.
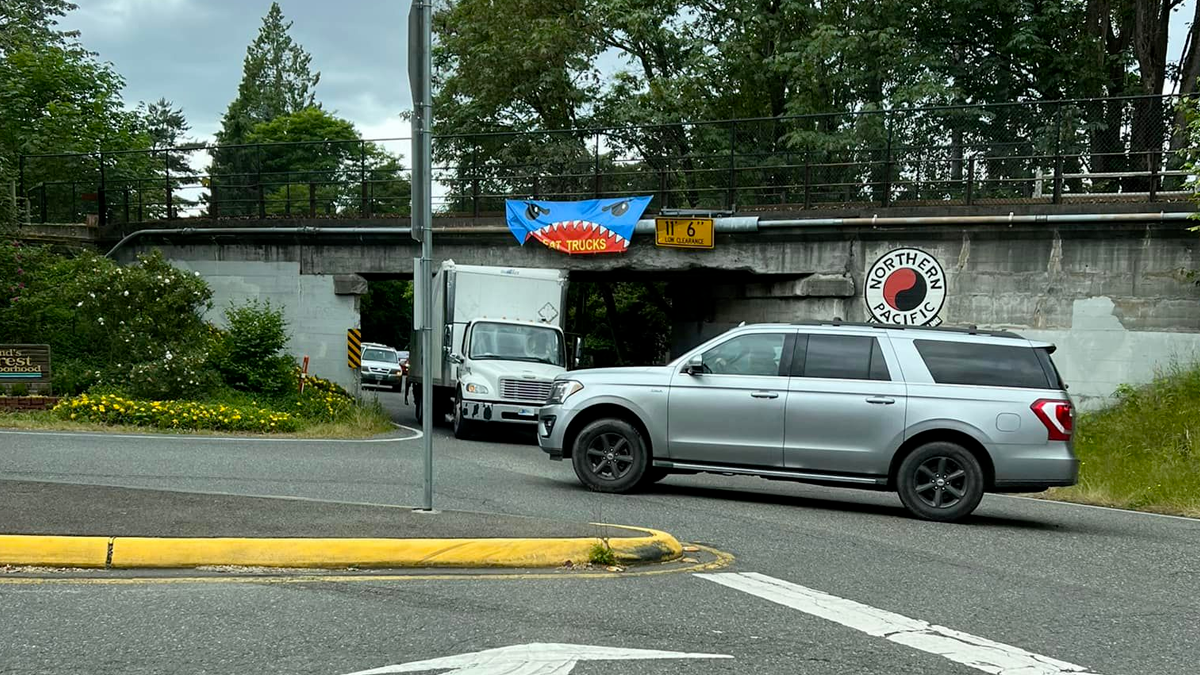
pixel 511 342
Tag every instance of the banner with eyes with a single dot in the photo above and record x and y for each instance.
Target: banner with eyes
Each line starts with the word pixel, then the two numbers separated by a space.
pixel 588 227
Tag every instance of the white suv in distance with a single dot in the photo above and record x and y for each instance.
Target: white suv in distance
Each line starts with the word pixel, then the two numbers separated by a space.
pixel 380 366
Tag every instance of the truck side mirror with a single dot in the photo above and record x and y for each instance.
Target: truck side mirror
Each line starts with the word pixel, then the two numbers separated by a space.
pixel 454 358
pixel 695 365
pixel 578 351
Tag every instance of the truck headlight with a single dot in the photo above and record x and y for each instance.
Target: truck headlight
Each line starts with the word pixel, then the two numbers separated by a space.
pixel 561 390
pixel 476 389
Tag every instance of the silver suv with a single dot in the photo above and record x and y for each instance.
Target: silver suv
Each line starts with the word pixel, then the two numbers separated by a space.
pixel 938 415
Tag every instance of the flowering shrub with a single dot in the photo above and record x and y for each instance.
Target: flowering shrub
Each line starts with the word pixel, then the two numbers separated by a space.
pixel 324 386
pixel 171 377
pixel 323 400
pixel 96 313
pixel 188 415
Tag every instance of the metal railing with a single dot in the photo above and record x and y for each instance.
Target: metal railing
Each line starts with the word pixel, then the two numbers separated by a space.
pixel 1098 150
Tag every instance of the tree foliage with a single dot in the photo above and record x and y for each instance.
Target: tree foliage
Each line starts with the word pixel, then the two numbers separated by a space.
pixel 248 353
pixel 386 312
pixel 104 322
pixel 837 61
pixel 277 81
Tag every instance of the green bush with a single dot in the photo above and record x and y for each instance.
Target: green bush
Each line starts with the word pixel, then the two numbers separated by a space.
pixel 18 389
pixel 174 376
pixel 100 319
pixel 247 352
pixel 73 377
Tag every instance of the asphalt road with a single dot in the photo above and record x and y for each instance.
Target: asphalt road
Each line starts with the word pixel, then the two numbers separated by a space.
pixel 1109 591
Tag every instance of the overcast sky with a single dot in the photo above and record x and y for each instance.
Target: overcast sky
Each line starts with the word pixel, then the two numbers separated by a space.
pixel 191 51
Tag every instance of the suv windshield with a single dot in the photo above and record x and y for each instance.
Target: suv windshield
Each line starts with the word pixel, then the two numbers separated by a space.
pixel 384 355
pixel 516 343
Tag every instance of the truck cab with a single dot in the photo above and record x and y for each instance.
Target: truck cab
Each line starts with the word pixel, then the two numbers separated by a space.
pixel 498 344
pixel 504 369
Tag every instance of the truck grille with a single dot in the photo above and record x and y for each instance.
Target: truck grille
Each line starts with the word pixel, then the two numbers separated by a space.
pixel 525 390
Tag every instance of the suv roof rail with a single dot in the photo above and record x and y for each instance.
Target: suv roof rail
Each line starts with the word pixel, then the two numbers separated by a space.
pixel 971 329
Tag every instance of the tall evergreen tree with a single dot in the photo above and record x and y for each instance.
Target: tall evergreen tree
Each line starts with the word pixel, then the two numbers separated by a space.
pixel 167 128
pixel 277 80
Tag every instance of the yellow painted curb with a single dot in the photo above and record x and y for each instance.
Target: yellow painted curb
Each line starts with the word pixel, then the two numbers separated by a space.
pixel 53 551
pixel 140 552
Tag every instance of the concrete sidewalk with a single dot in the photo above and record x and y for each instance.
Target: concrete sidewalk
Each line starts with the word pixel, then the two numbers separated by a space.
pixel 96 526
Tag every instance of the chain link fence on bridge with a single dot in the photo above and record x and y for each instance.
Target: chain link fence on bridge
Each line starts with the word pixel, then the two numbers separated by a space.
pixel 1099 150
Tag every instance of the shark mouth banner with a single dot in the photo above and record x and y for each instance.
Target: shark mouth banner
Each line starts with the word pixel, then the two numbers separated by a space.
pixel 587 227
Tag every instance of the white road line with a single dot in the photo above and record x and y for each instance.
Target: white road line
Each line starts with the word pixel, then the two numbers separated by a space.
pixel 220 439
pixel 1102 508
pixel 417 433
pixel 969 650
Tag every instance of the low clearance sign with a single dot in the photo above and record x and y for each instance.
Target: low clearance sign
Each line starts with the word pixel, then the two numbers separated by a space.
pixel 24 363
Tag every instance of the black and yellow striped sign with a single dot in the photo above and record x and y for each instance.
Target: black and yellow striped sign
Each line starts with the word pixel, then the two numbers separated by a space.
pixel 354 347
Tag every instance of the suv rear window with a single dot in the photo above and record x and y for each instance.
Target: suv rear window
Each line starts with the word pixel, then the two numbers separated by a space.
pixel 987 365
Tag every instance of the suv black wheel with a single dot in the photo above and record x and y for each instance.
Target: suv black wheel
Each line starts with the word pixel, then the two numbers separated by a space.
pixel 940 481
pixel 464 429
pixel 609 455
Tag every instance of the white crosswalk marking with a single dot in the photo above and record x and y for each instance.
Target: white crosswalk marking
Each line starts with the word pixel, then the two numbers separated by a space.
pixel 969 650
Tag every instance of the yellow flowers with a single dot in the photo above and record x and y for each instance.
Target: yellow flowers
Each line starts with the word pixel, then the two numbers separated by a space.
pixel 113 409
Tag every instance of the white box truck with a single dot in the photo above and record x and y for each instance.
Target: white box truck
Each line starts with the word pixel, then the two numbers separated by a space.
pixel 498 344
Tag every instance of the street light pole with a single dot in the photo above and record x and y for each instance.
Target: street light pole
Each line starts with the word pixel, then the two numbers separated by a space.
pixel 420 42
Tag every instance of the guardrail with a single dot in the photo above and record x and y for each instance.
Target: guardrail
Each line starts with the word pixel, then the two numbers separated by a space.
pixel 1095 150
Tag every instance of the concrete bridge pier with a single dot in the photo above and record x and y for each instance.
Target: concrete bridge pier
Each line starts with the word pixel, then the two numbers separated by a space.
pixel 319 308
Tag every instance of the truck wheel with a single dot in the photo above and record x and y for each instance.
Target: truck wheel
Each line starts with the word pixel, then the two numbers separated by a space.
pixel 609 455
pixel 442 407
pixel 940 481
pixel 464 429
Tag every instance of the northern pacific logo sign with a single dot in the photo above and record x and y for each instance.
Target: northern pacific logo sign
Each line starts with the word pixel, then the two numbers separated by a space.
pixel 906 286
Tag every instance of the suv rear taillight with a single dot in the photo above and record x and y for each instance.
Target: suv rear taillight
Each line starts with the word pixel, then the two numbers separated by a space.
pixel 1057 416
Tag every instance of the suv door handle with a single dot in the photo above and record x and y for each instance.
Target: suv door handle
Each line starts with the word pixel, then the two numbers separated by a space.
pixel 764 394
pixel 881 400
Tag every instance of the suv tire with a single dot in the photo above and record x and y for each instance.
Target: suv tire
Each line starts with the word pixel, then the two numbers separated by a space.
pixel 940 481
pixel 610 455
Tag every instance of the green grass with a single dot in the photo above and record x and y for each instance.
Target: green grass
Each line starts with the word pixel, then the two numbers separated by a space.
pixel 1144 452
pixel 602 554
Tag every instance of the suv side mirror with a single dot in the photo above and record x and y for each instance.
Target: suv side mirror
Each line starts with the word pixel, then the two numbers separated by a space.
pixel 695 365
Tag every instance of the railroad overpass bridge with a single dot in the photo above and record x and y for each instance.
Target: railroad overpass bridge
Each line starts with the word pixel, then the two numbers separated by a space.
pixel 1077 237
pixel 1109 286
